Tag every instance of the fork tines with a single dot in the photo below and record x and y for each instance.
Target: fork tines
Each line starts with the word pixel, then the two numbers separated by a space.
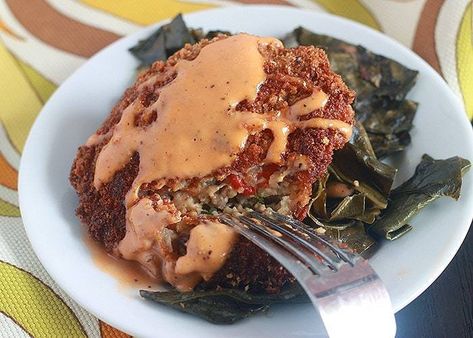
pixel 298 226
pixel 310 248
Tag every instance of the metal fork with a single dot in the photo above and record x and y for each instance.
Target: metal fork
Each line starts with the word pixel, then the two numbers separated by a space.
pixel 349 296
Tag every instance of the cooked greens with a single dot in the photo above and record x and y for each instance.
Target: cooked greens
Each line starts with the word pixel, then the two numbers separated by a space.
pixel 432 179
pixel 355 237
pixel 370 181
pixel 354 202
pixel 167 40
pixel 224 306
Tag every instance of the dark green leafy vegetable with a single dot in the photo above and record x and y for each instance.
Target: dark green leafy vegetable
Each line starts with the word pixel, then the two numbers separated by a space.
pixel 354 207
pixel 367 73
pixel 224 306
pixel 389 127
pixel 432 179
pixel 381 85
pixel 365 173
pixel 352 233
pixel 358 168
pixel 355 237
pixel 389 144
pixel 370 180
pixel 392 120
pixel 215 33
pixel 390 78
pixel 361 140
pixel 199 34
pixel 163 43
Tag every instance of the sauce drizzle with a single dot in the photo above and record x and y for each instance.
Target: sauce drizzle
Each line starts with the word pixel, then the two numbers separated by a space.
pixel 197 130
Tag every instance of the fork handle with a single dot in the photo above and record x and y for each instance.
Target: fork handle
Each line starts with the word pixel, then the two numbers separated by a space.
pixel 352 305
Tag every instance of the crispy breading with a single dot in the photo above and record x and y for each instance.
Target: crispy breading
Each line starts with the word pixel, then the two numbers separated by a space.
pixel 291 75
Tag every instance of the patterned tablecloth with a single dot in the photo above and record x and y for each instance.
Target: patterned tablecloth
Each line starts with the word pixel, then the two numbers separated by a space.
pixel 43 41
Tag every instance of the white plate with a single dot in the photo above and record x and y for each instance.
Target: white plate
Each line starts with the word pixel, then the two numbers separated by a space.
pixel 407 266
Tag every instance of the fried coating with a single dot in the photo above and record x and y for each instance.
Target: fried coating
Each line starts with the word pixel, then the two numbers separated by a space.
pixel 291 75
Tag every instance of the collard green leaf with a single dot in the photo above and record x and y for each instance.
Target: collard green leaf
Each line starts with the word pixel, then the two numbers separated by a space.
pixel 355 237
pixel 176 35
pixel 302 36
pixel 349 207
pixel 389 127
pixel 432 179
pixel 361 140
pixel 367 183
pixel 217 310
pixel 352 233
pixel 224 306
pixel 150 50
pixel 214 33
pixel 318 204
pixel 355 207
pixel 387 144
pixel 167 40
pixel 343 211
pixel 357 167
pixel 394 119
pixel 390 78
pixel 163 43
pixel 367 175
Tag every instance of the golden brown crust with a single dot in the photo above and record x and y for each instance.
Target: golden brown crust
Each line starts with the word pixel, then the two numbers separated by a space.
pixel 292 74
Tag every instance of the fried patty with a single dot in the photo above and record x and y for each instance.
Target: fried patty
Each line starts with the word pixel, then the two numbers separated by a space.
pixel 291 75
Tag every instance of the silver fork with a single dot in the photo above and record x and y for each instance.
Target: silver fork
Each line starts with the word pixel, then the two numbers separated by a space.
pixel 349 296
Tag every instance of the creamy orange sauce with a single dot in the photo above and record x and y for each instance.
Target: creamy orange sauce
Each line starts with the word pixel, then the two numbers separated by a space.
pixel 207 249
pixel 96 138
pixel 318 122
pixel 317 100
pixel 128 274
pixel 280 130
pixel 197 131
pixel 145 227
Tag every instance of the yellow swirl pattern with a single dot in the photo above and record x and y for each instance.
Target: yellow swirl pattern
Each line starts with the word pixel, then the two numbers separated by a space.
pixel 147 11
pixel 351 9
pixel 465 60
pixel 7 209
pixel 34 306
pixel 19 103
pixel 43 87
